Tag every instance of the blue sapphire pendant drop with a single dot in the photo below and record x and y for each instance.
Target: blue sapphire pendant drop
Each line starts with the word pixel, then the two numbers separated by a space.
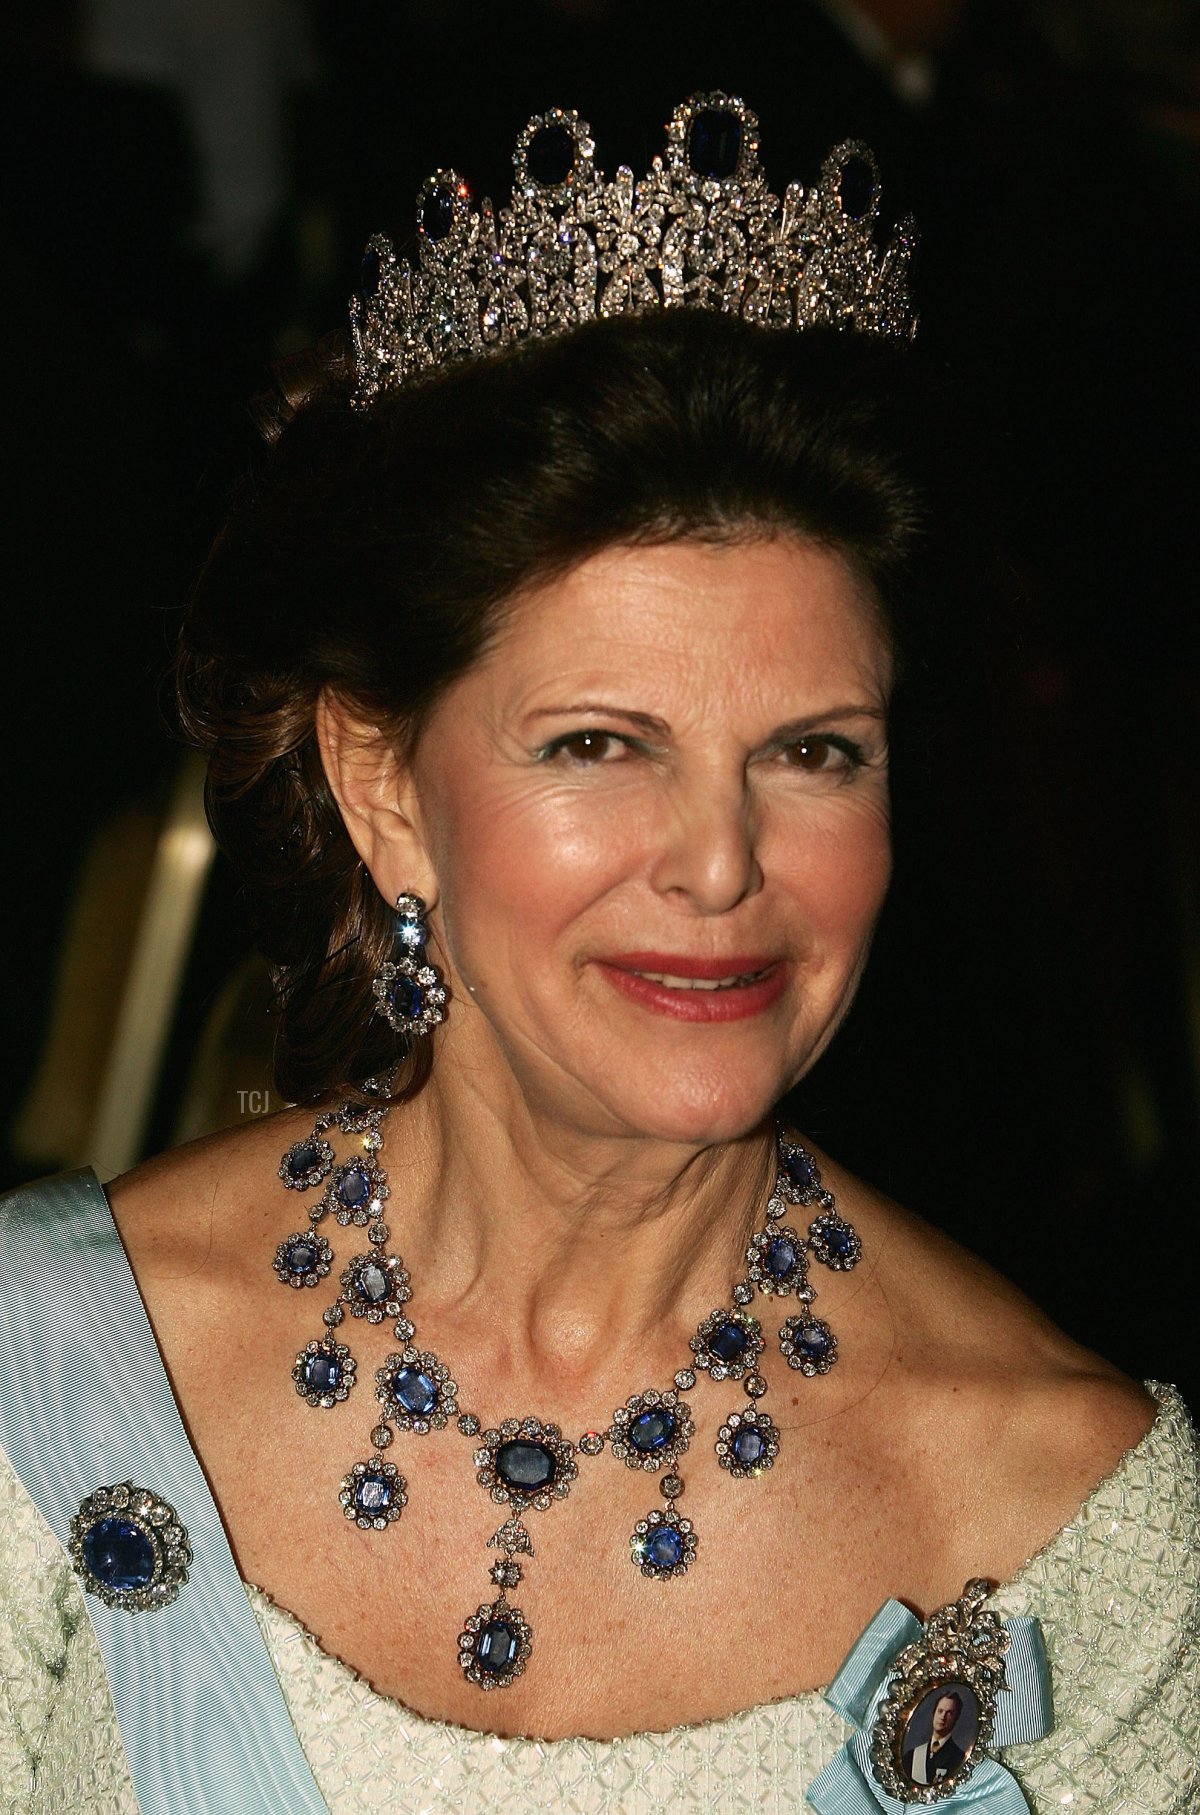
pixel 130 1548
pixel 663 1544
pixel 324 1373
pixel 747 1443
pixel 373 1494
pixel 496 1640
pixel 494 1645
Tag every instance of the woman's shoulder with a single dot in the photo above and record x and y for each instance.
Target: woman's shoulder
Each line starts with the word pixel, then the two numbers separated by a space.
pixel 188 1209
pixel 1014 1423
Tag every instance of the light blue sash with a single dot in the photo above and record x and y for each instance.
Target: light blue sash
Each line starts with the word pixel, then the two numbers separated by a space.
pixel 85 1403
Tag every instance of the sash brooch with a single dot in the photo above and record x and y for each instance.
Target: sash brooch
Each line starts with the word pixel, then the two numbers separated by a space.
pixel 929 1703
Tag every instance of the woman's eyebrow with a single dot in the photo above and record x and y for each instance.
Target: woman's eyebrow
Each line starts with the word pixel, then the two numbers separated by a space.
pixel 645 721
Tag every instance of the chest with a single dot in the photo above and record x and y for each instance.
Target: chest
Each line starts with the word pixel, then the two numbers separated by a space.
pixel 789 1565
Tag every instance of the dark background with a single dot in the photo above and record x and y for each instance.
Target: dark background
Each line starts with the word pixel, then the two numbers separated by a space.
pixel 187 194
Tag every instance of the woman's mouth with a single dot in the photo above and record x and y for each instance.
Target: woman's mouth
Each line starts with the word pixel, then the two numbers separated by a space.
pixel 696 989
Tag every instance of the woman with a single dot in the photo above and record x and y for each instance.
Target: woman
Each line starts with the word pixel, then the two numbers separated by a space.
pixel 546 696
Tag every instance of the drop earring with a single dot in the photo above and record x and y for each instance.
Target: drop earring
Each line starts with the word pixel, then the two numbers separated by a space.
pixel 408 989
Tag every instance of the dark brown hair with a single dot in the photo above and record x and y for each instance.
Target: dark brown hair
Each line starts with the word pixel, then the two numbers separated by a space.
pixel 375 553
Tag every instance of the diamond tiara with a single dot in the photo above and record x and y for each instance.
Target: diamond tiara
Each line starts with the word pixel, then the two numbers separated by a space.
pixel 702 230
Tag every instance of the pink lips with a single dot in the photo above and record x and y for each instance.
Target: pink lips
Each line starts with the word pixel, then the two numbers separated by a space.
pixel 625 971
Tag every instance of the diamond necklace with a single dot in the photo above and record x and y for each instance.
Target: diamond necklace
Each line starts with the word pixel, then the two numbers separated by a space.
pixel 525 1463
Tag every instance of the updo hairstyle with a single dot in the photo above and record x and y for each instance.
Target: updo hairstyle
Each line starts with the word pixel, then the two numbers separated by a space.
pixel 377 552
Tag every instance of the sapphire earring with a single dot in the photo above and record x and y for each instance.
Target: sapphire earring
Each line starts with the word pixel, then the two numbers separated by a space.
pixel 408 989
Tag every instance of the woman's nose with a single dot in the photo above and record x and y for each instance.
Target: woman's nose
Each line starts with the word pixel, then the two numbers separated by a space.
pixel 707 844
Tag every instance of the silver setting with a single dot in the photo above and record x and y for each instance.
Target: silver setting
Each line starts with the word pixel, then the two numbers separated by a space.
pixel 356 1117
pixel 375 1310
pixel 446 1406
pixel 469 1424
pixel 157 1523
pixel 644 1531
pixel 512 1537
pixel 960 1645
pixel 378 1521
pixel 591 1443
pixel 748 1420
pixel 322 1262
pixel 315 1174
pixel 819 1233
pixel 562 253
pixel 671 1487
pixel 336 1351
pixel 529 1430
pixel 771 1284
pixel 370 1209
pixel 685 1379
pixel 790 1335
pixel 707 1359
pixel 651 1401
pixel 468 1640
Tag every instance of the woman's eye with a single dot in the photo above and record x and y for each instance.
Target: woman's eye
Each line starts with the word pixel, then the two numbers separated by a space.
pixel 823 754
pixel 587 747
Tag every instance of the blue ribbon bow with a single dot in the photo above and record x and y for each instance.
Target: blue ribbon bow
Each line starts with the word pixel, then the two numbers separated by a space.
pixel 848 1786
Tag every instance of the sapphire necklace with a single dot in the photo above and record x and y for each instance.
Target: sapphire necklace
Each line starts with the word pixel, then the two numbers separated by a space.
pixel 524 1463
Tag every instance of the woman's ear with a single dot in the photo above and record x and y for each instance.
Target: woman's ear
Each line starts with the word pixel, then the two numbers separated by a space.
pixel 374 793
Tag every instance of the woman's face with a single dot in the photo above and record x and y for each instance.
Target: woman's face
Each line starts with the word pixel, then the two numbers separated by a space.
pixel 657 813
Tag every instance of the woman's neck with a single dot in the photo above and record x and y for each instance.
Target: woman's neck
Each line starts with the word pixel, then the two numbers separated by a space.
pixel 560 1257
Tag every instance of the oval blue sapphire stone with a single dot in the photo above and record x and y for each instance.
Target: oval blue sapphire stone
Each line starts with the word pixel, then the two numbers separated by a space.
pixel 119 1554
pixel 322 1373
pixel 372 270
pixel 301 1257
pixel 813 1341
pixel 651 1430
pixel 496 1648
pixel 800 1170
pixel 354 1188
pixel 715 142
pixel 856 188
pixel 372 1284
pixel 781 1256
pixel 728 1341
pixel 664 1547
pixel 406 998
pixel 748 1447
pixel 529 1467
pixel 838 1239
pixel 550 157
pixel 302 1158
pixel 437 212
pixel 415 1391
pixel 373 1494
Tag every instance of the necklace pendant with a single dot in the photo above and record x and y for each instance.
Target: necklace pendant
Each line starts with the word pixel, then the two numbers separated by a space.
pixel 494 1645
pixel 526 1463
pixel 373 1494
pixel 808 1345
pixel 324 1373
pixel 663 1544
pixel 747 1443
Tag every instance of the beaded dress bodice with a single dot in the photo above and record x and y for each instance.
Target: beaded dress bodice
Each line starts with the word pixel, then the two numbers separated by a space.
pixel 1117 1591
